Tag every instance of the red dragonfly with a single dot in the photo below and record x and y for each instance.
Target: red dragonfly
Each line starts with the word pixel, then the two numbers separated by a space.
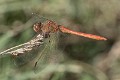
pixel 44 28
pixel 51 27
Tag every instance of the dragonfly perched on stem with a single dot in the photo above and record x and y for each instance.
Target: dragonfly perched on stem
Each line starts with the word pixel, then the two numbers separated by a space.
pixel 44 29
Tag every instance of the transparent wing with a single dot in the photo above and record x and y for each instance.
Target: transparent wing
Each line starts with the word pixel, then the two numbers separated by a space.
pixel 38 18
pixel 50 54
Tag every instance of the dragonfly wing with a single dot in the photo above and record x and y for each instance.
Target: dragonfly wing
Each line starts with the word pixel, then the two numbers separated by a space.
pixel 38 18
pixel 49 55
pixel 23 59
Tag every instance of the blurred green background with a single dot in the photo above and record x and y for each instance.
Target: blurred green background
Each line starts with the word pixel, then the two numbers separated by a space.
pixel 67 57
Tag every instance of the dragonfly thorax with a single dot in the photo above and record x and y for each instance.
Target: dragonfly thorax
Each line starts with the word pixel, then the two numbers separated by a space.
pixel 49 27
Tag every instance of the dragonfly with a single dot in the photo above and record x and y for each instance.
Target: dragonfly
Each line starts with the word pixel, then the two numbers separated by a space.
pixel 44 28
pixel 52 27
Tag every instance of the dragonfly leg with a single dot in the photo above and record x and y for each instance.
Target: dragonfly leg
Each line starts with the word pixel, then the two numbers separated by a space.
pixel 46 35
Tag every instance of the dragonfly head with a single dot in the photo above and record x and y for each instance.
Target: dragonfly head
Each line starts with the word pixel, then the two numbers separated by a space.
pixel 37 27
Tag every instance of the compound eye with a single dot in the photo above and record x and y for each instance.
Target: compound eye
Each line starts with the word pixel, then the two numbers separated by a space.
pixel 37 27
